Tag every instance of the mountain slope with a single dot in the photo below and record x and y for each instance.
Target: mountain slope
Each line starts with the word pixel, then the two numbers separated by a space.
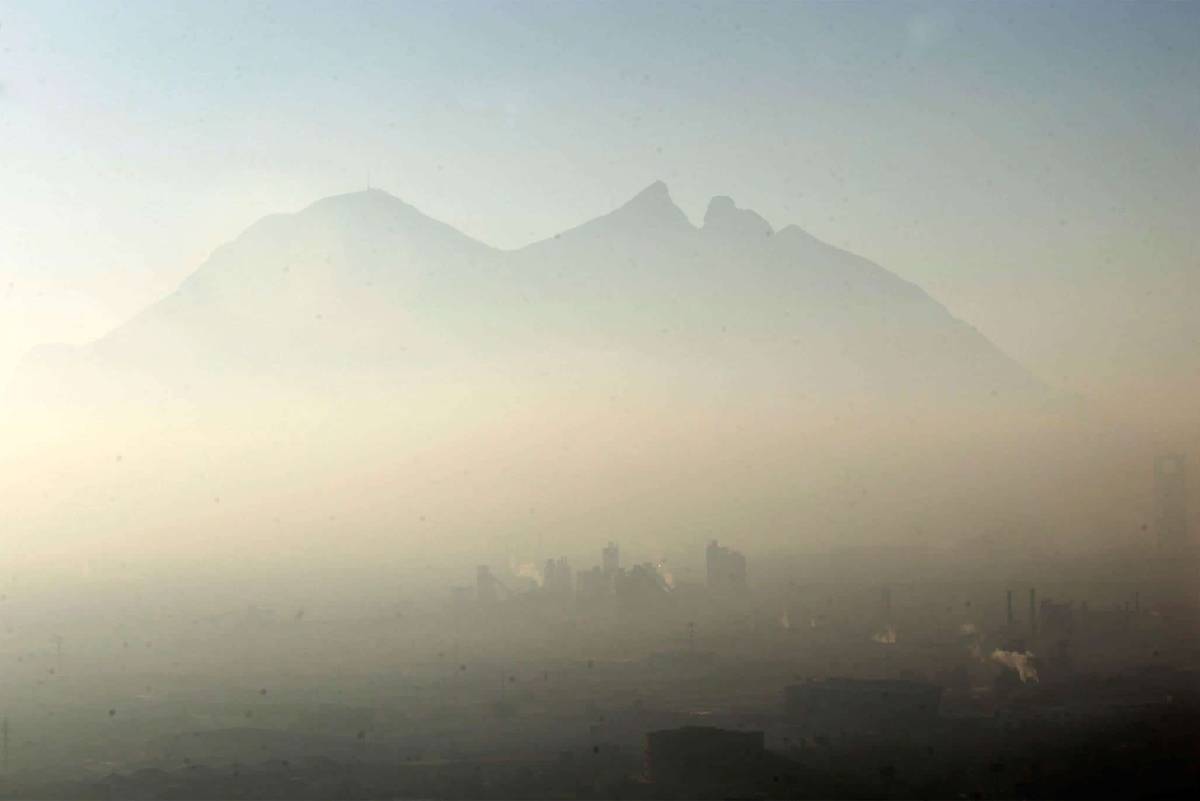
pixel 365 284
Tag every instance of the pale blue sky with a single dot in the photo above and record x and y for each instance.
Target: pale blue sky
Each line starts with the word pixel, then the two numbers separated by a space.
pixel 1034 166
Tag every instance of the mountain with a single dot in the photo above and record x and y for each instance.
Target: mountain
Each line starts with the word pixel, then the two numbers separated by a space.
pixel 364 284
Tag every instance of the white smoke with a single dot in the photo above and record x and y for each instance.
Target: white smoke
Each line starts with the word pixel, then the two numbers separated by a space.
pixel 1022 662
pixel 527 570
pixel 887 636
pixel 667 576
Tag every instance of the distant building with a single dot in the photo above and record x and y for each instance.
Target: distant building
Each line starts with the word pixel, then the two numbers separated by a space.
pixel 591 585
pixel 558 578
pixel 726 568
pixel 835 705
pixel 1170 503
pixel 611 559
pixel 640 583
pixel 702 756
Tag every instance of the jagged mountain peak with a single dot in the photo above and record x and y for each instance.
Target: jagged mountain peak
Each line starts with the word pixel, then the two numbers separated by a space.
pixel 364 278
pixel 650 211
pixel 652 205
pixel 723 217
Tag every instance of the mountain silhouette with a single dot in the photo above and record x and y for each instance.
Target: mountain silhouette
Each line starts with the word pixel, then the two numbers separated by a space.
pixel 365 284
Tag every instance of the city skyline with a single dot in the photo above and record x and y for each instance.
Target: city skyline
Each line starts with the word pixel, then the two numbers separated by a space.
pixel 523 399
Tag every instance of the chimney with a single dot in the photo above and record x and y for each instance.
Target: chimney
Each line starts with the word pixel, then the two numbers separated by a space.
pixel 1010 611
pixel 1033 627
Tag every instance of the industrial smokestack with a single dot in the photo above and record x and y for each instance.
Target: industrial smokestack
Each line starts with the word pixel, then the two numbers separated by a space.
pixel 1033 612
pixel 1010 608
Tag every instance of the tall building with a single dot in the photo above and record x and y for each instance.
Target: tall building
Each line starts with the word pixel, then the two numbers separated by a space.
pixel 611 559
pixel 1170 503
pixel 640 584
pixel 591 585
pixel 726 568
pixel 558 578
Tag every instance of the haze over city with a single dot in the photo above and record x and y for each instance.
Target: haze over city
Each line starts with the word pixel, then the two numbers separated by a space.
pixel 710 398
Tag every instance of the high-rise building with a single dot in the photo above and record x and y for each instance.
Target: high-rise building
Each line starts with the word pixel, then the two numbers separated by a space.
pixel 640 584
pixel 726 568
pixel 558 577
pixel 591 585
pixel 611 559
pixel 1170 503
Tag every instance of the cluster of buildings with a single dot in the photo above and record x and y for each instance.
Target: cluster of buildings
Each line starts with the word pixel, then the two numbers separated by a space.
pixel 725 574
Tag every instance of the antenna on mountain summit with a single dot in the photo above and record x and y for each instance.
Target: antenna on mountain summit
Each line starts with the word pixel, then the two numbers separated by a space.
pixel 368 180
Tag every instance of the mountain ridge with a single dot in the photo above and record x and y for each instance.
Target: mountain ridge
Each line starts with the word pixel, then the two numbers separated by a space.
pixel 365 278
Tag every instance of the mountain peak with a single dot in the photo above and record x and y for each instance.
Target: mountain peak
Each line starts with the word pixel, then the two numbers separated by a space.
pixel 651 209
pixel 724 217
pixel 654 203
pixel 360 199
pixel 657 190
pixel 350 278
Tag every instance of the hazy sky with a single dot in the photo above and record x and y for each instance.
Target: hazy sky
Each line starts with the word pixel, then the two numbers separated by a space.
pixel 1034 166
